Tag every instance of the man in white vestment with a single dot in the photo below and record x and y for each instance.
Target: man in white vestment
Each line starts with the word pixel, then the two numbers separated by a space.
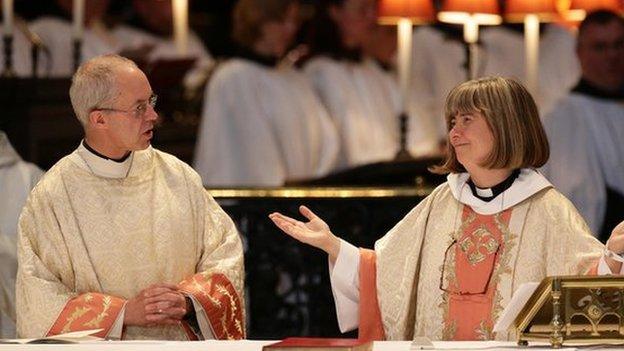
pixel 16 179
pixel 587 127
pixel 122 237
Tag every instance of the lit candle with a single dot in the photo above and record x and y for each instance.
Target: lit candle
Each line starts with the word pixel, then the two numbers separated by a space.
pixel 404 58
pixel 7 14
pixel 180 25
pixel 79 9
pixel 531 42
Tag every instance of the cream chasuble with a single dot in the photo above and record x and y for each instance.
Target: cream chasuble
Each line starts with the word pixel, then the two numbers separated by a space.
pixel 93 234
pixel 545 236
pixel 447 270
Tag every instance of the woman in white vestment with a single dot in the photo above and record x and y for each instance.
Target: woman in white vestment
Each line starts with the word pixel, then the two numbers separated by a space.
pixel 16 179
pixel 262 124
pixel 449 268
pixel 362 106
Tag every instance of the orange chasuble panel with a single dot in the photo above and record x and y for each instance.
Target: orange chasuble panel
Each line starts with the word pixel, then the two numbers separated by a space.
pixel 370 326
pixel 222 304
pixel 470 274
pixel 88 311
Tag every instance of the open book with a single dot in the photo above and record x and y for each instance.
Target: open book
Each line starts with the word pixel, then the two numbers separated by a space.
pixel 67 338
pixel 518 300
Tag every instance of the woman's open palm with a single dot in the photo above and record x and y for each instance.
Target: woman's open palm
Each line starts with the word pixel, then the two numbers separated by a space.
pixel 314 232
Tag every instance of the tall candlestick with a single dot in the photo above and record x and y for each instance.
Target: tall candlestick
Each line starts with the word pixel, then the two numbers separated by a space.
pixel 180 25
pixel 78 16
pixel 7 17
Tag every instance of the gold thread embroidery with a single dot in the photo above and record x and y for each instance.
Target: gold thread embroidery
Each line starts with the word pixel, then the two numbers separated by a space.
pixel 503 264
pixel 97 321
pixel 483 332
pixel 78 312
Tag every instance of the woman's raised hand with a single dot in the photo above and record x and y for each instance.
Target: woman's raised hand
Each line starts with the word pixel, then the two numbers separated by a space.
pixel 314 232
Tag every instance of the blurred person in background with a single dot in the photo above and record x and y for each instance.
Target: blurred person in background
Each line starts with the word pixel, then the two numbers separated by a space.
pixel 586 128
pixel 262 123
pixel 16 179
pixel 148 36
pixel 360 102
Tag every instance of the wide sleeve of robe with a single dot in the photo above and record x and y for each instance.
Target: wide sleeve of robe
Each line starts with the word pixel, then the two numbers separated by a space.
pixel 217 286
pixel 47 301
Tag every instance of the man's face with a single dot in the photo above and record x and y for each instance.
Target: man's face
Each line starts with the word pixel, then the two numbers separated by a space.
pixel 131 119
pixel 601 53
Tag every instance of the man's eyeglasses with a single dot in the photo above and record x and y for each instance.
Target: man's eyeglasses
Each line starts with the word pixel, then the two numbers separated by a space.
pixel 138 111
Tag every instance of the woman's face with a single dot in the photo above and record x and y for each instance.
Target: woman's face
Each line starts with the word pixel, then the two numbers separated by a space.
pixel 355 20
pixel 471 138
pixel 279 35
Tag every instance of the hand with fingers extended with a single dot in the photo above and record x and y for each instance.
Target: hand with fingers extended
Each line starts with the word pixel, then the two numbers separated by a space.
pixel 158 304
pixel 315 232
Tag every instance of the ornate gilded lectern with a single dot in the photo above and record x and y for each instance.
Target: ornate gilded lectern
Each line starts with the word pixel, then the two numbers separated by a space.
pixel 574 310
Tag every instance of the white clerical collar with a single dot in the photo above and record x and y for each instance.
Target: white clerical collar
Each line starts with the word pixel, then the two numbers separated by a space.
pixel 528 183
pixel 105 167
pixel 487 192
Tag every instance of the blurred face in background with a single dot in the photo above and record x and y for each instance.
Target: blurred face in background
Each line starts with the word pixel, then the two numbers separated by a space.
pixel 94 9
pixel 601 54
pixel 355 19
pixel 277 36
pixel 157 15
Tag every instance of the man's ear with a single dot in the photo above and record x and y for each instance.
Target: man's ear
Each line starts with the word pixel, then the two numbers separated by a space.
pixel 97 120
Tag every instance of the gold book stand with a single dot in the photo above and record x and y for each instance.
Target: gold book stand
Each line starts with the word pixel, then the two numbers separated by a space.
pixel 574 310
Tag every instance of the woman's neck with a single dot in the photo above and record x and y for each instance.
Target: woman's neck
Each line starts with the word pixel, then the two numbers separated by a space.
pixel 487 178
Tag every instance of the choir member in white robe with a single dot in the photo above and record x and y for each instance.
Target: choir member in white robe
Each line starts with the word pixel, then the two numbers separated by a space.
pixel 447 270
pixel 151 33
pixel 440 57
pixel 362 106
pixel 16 179
pixel 57 34
pixel 587 127
pixel 121 237
pixel 262 124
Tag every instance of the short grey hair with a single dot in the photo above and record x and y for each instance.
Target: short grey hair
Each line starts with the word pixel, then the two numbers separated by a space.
pixel 94 85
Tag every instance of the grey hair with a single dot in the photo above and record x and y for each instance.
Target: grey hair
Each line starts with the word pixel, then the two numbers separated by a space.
pixel 94 84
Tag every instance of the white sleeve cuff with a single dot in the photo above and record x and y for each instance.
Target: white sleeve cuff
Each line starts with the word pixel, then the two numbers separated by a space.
pixel 344 276
pixel 603 267
pixel 202 319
